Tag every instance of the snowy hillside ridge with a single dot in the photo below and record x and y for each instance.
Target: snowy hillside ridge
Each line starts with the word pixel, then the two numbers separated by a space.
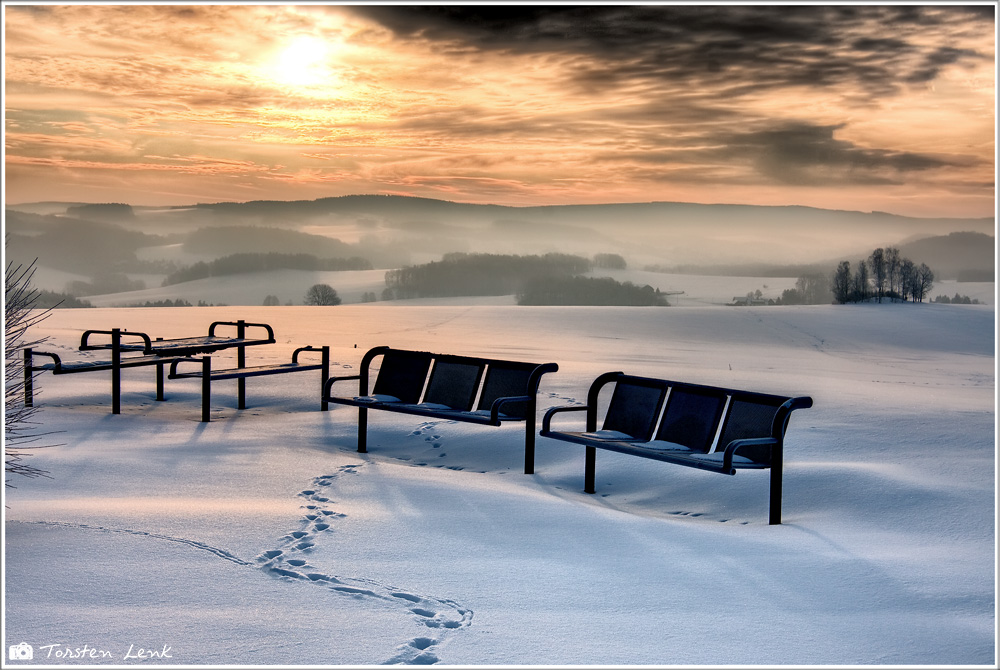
pixel 264 538
pixel 291 286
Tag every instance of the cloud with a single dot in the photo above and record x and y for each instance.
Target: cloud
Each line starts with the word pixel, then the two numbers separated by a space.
pixel 512 101
pixel 810 155
pixel 794 154
pixel 770 46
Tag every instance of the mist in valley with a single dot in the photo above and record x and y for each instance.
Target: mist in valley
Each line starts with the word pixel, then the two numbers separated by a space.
pixel 94 250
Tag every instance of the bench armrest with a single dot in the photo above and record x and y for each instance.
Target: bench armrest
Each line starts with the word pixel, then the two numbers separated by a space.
pixel 55 358
pixel 295 354
pixel 500 402
pixel 245 324
pixel 85 344
pixel 736 445
pixel 552 411
pixel 328 386
pixel 176 361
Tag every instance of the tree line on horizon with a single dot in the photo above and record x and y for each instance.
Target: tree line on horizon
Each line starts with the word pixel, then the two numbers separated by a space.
pixel 591 291
pixel 884 275
pixel 257 262
pixel 463 274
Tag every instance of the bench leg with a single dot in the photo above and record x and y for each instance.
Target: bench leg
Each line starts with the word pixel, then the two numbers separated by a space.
pixel 241 362
pixel 529 447
pixel 363 430
pixel 159 377
pixel 206 388
pixel 116 371
pixel 325 375
pixel 159 380
pixel 29 389
pixel 589 470
pixel 774 512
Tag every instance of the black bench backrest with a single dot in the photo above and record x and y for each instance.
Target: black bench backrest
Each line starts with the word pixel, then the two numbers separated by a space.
pixel 634 407
pixel 692 417
pixel 454 382
pixel 505 379
pixel 402 374
pixel 750 415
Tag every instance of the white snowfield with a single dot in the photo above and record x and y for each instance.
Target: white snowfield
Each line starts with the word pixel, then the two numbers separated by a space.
pixel 264 538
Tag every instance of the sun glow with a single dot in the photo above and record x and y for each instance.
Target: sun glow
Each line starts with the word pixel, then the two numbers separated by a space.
pixel 302 63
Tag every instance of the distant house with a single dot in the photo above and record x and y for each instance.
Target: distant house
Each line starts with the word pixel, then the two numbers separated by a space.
pixel 745 301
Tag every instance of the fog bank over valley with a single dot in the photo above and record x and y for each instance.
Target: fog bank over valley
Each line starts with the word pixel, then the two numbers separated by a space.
pixel 104 249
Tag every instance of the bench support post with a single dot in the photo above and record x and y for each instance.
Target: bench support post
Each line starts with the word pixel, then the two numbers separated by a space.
pixel 116 371
pixel 529 444
pixel 241 362
pixel 28 379
pixel 774 511
pixel 362 430
pixel 324 376
pixel 590 469
pixel 206 388
pixel 590 461
pixel 159 376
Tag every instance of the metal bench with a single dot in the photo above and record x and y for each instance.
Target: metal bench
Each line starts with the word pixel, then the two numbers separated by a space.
pixel 711 428
pixel 115 363
pixel 187 346
pixel 158 352
pixel 207 375
pixel 468 389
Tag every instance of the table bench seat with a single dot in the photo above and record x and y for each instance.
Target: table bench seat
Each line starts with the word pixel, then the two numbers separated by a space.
pixel 207 374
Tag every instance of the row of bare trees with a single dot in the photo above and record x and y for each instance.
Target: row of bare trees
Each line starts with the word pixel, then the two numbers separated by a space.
pixel 883 275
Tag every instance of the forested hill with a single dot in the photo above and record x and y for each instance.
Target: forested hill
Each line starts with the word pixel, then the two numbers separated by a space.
pixel 407 207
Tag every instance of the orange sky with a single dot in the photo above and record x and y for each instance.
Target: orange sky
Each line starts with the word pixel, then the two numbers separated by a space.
pixel 862 107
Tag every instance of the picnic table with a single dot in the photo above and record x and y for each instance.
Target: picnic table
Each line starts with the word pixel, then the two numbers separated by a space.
pixel 151 352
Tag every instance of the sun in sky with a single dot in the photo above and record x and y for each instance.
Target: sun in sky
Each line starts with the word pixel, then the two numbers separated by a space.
pixel 302 63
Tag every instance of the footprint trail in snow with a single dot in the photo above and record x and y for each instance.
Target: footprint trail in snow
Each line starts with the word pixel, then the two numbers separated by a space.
pixel 441 617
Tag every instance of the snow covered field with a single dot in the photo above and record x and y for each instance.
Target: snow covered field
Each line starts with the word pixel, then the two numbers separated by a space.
pixel 264 538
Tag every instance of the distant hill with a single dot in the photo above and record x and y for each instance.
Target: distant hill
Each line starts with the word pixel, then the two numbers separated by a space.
pixel 74 245
pixel 393 231
pixel 964 256
pixel 227 240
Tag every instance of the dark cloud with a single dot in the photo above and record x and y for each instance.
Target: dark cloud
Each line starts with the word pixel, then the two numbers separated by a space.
pixel 771 46
pixel 791 154
pixel 810 154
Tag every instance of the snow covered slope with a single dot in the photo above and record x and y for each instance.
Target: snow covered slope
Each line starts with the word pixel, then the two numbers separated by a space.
pixel 264 538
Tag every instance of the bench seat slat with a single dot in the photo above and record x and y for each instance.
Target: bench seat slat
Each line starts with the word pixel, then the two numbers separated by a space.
pixel 658 450
pixel 194 345
pixel 255 371
pixel 479 417
pixel 64 368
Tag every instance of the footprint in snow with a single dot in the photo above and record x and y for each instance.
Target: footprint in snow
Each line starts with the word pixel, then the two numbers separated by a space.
pixel 441 616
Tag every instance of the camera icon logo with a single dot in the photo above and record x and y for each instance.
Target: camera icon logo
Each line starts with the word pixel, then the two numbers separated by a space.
pixel 21 652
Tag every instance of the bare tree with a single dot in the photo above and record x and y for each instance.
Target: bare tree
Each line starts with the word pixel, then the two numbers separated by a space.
pixel 20 427
pixel 907 279
pixel 923 283
pixel 841 283
pixel 879 272
pixel 815 289
pixel 322 294
pixel 860 290
pixel 893 272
